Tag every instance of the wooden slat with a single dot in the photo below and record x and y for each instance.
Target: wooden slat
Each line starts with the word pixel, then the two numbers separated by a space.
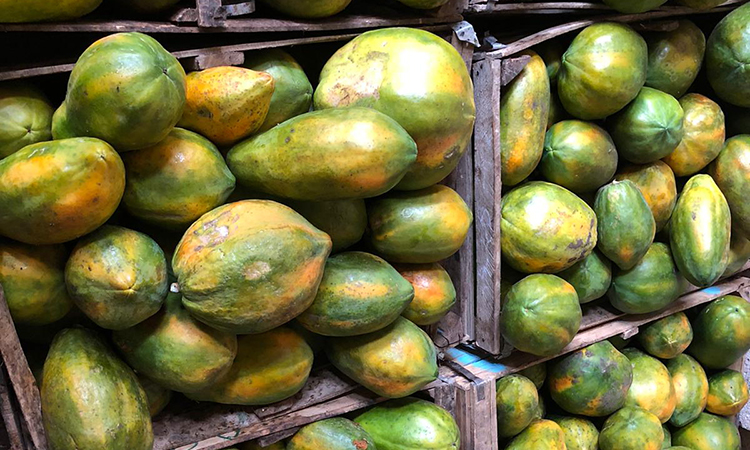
pixel 511 7
pixel 11 416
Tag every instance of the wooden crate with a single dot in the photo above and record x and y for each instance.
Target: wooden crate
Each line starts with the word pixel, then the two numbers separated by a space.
pixel 491 71
pixel 570 7
pixel 213 13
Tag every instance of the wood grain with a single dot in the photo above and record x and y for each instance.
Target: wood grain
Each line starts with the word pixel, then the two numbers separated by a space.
pixel 512 7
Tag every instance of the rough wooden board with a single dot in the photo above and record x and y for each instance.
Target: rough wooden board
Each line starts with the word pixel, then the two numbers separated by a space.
pixel 11 416
pixel 484 7
pixel 214 59
pixel 744 416
pixel 476 414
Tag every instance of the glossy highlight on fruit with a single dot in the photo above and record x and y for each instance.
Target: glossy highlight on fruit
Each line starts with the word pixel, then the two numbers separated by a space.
pixel 434 293
pixel 731 171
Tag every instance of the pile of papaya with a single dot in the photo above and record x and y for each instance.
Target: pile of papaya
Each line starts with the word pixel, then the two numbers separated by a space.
pixel 667 388
pixel 622 180
pixel 214 233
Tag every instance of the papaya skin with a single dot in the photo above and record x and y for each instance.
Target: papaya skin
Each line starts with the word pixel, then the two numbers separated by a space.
pixel 703 139
pixel 631 428
pixel 308 9
pixel 727 57
pixel 731 171
pixel 727 393
pixel 708 432
pixel 332 434
pixel 12 11
pixel 517 402
pixel 691 389
pixel 675 58
pixel 668 337
pixel 657 183
pixel 721 332
pixel 652 387
pixel 540 434
pixel 25 117
pixel 434 293
pixel 344 221
pixel 54 192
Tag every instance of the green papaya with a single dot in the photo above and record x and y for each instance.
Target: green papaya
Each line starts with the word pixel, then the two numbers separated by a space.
pixel 590 277
pixel 631 428
pixel 25 116
pixel 308 9
pixel 727 393
pixel 332 434
pixel 158 397
pixel 675 57
pixel 393 362
pixel 708 432
pixel 90 399
pixel 691 388
pixel 536 373
pixel 580 434
pixel 344 221
pixel 727 53
pixel 722 332
pixel 668 337
pixel 434 293
pixel 540 434
pixel 703 138
pixel 370 162
pixel 12 11
pixel 731 171
pixel 652 387
pixel 517 403
pixel 667 443
pixel 657 183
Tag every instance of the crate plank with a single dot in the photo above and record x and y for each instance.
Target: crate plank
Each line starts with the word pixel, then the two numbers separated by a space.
pixel 515 7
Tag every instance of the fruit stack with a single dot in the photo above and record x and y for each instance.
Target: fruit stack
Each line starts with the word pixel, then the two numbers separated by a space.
pixel 121 218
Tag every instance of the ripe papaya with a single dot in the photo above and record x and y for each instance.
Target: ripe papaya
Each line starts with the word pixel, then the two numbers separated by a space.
pixel 269 367
pixel 544 434
pixel 276 266
pixel 308 9
pixel 366 154
pixel 631 428
pixel 657 183
pixel 739 253
pixel 722 332
pixel 392 426
pixel 124 89
pixel 602 71
pixel 652 387
pixel 727 53
pixel 590 277
pixel 393 362
pixel 675 57
pixel 517 403
pixel 419 227
pixel 524 110
pixel 541 315
pixel 703 138
pixel 578 155
pixel 593 381
pixel 158 397
pixel 360 293
pixel 117 277
pixel 690 387
pixel 580 434
pixel 226 103
pixel 699 231
pixel 12 11
pixel 292 94
pixel 25 117
pixel 90 399
pixel 33 281
pixel 727 393
pixel 708 432
pixel 434 293
pixel 649 286
pixel 344 221
pixel 177 351
pixel 75 184
pixel 332 434
pixel 634 6
pixel 174 182
pixel 378 68
pixel 731 171
pixel 545 228
pixel 668 337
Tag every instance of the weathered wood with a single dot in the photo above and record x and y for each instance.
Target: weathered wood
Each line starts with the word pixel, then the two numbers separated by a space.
pixel 743 417
pixel 514 7
pixel 476 414
pixel 207 13
pixel 511 68
pixel 10 415
pixel 21 377
pixel 271 439
pixel 210 60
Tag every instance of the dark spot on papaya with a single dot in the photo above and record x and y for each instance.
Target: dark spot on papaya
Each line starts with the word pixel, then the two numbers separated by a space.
pixel 165 71
pixel 292 130
pixel 578 243
pixel 288 138
pixel 117 88
pixel 203 112
pixel 360 444
pixel 692 215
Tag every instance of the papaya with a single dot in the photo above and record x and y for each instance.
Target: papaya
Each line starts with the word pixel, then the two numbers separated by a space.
pixel 125 89
pixel 634 6
pixel 283 160
pixel 703 138
pixel 551 52
pixel 579 156
pixel 54 192
pixel 649 128
pixel 667 443
pixel 517 403
pixel 344 221
pixel 739 253
pixel 524 109
pixel 393 426
pixel 25 117
pixel 540 434
pixel 60 128
pixel 360 293
pixel 226 104
pixel 12 11
pixel 631 428
pixel 175 350
pixel 657 183
pixel 708 432
pixel 602 71
pixel 292 94
pixel 33 281
pixel 545 228
pixel 269 367
pixel 393 362
pixel 722 332
pixel 536 373
pixel 332 434
pixel 377 69
pixel 276 266
pixel 590 277
pixel 174 182
pixel 675 57
pixel 580 434
pixel 434 293
pixel 593 381
pixel 700 4
pixel 649 286
pixel 541 315
pixel 255 446
pixel 727 393
pixel 117 277
pixel 731 171
pixel 158 397
pixel 308 9
pixel 423 4
pixel 147 6
pixel 668 337
pixel 541 411
pixel 699 231
pixel 625 225
pixel 652 387
pixel 90 399
pixel 418 227
pixel 727 53
pixel 690 387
